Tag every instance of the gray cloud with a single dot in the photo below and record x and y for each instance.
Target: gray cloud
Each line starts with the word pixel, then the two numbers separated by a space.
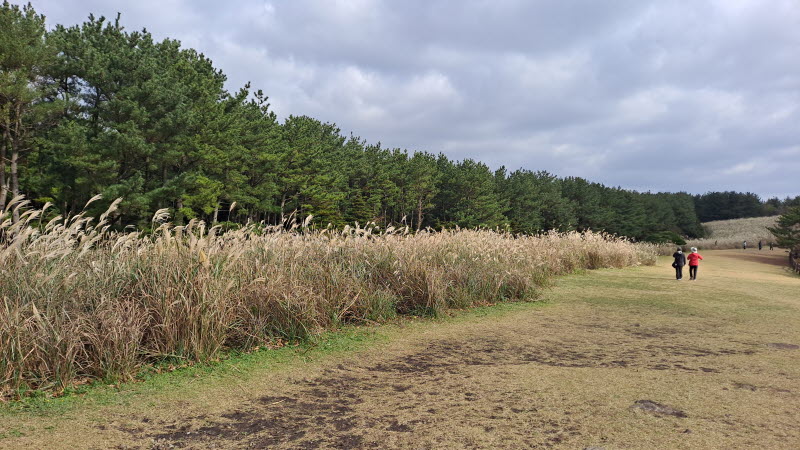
pixel 691 95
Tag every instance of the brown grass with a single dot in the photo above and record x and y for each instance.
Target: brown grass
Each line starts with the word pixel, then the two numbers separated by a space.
pixel 729 234
pixel 80 302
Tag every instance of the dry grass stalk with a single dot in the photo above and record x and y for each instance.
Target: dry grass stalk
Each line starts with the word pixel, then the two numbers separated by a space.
pixel 79 301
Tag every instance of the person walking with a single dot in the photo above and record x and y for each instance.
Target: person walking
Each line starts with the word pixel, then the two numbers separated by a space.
pixel 694 261
pixel 680 261
pixel 759 245
pixel 744 245
pixel 770 245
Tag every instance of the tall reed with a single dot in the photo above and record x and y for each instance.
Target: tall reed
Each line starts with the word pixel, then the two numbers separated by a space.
pixel 79 301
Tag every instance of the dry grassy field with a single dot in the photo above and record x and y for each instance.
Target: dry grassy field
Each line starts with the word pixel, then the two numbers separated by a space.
pixel 612 358
pixel 728 234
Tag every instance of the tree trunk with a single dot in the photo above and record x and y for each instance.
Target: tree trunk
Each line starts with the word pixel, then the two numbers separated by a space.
pixel 283 205
pixel 216 214
pixel 14 171
pixel 15 144
pixel 419 214
pixel 14 178
pixel 3 184
pixel 178 213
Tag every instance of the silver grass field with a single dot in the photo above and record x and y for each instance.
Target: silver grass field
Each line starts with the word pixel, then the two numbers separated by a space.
pixel 81 302
pixel 728 234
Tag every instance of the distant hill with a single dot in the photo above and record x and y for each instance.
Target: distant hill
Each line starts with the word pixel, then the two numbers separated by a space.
pixel 731 233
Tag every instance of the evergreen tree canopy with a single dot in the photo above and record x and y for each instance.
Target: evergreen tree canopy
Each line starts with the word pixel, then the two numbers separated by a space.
pixel 95 108
pixel 787 230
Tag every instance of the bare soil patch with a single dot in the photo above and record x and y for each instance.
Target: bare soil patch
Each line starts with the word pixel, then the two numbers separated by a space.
pixel 783 346
pixel 656 408
pixel 452 382
pixel 772 257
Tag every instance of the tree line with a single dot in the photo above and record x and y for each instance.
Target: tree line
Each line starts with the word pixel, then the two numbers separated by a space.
pixel 93 108
pixel 734 205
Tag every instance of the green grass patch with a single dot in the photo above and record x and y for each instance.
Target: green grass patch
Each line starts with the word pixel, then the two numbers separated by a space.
pixel 11 434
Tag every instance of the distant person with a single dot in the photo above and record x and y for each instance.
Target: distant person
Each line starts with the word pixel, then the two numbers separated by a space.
pixel 770 245
pixel 759 245
pixel 694 261
pixel 744 245
pixel 680 261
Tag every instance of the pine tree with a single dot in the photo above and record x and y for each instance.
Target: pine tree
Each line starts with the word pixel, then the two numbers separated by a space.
pixel 468 196
pixel 536 204
pixel 26 90
pixel 787 230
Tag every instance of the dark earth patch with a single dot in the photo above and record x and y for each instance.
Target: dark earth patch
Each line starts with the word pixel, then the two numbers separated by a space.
pixel 656 408
pixel 329 411
pixel 397 426
pixel 783 346
pixel 324 412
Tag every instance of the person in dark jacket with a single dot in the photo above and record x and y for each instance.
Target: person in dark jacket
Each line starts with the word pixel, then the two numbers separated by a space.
pixel 680 261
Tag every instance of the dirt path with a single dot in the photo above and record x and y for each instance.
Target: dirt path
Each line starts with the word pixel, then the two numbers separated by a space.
pixel 615 359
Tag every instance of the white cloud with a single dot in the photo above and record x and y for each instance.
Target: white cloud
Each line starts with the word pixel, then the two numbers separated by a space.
pixel 627 93
pixel 741 168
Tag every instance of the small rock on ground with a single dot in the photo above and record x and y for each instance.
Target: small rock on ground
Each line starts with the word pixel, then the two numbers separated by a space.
pixel 657 408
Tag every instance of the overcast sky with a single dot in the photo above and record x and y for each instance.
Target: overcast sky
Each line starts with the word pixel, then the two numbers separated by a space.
pixel 694 95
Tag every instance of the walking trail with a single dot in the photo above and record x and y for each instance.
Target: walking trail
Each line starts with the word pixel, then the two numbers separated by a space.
pixel 626 358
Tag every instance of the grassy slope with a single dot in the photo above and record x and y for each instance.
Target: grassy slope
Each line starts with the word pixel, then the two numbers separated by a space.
pixel 564 373
pixel 725 229
pixel 728 234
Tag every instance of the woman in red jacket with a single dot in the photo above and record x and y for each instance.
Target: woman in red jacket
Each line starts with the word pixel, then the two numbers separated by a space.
pixel 694 261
